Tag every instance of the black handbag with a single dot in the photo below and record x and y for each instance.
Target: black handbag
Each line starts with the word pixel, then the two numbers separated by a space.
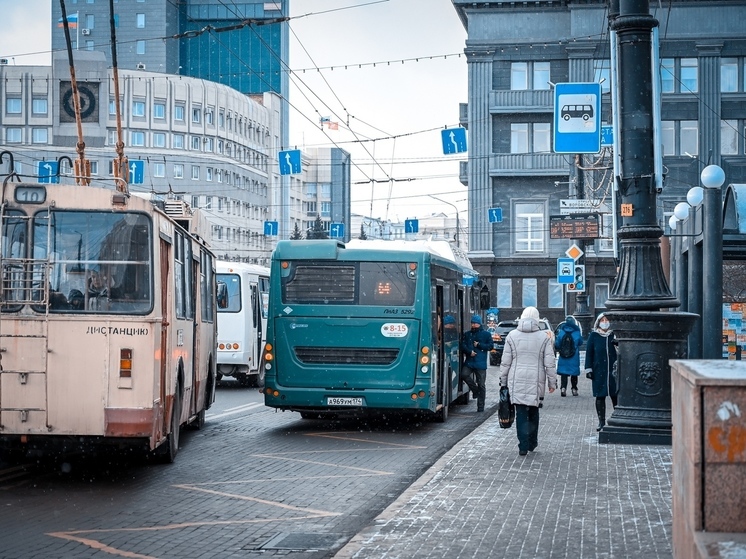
pixel 505 409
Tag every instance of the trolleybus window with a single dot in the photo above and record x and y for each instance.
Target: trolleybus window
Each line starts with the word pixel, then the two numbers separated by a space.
pixel 97 262
pixel 365 283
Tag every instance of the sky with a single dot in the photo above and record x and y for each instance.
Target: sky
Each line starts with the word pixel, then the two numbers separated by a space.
pixel 390 73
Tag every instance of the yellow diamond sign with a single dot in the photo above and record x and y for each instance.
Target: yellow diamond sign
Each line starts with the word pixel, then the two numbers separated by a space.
pixel 574 252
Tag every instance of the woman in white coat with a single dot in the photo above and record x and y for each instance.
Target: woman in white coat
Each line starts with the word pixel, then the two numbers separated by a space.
pixel 527 367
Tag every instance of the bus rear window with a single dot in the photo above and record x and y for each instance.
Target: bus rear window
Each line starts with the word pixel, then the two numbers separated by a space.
pixel 363 283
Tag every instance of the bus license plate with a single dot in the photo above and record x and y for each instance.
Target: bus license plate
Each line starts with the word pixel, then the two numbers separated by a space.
pixel 334 401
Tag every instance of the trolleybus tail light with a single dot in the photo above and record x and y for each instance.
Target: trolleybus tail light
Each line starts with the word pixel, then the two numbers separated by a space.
pixel 125 362
pixel 425 357
pixel 272 392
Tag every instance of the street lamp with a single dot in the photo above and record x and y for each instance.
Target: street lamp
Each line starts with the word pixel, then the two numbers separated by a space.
pixel 712 178
pixel 458 225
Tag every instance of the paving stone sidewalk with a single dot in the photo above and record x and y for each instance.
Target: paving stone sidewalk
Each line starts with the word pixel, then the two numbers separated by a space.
pixel 572 498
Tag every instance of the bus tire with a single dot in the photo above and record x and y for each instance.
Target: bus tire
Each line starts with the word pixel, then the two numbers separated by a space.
pixel 259 378
pixel 212 382
pixel 168 450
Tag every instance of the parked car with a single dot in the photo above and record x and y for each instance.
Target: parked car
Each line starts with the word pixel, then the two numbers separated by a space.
pixel 501 331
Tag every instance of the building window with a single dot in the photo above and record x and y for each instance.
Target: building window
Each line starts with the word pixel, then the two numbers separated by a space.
pixel 602 74
pixel 529 75
pixel 541 137
pixel 606 242
pixel 159 110
pixel 159 170
pixel 13 105
pixel 326 209
pixel 519 137
pixel 195 201
pixel 140 47
pixel 90 45
pixel 137 138
pixel 138 108
pixel 326 190
pixel 555 295
pixel 529 226
pixel 529 298
pixel 178 141
pixel 179 113
pixel 729 137
pixel 178 171
pixel 159 140
pixel 209 116
pixel 39 106
pixel 39 135
pixel 504 293
pixel 94 167
pixel 668 69
pixel 195 172
pixel 209 145
pixel 601 295
pixel 680 137
pixel 196 115
pixel 111 137
pixel 728 75
pixel 195 143
pixel 221 118
pixel 140 21
pixel 13 135
pixel 208 174
pixel 90 21
pixel 533 137
pixel 689 80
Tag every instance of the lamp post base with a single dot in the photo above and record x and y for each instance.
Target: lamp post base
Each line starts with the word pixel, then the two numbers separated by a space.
pixel 647 341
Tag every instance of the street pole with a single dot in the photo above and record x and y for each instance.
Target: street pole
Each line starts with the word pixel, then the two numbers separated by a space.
pixel 582 312
pixel 648 337
pixel 458 225
pixel 712 178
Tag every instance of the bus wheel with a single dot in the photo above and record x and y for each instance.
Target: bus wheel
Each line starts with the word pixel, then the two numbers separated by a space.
pixel 259 377
pixel 168 450
pixel 199 421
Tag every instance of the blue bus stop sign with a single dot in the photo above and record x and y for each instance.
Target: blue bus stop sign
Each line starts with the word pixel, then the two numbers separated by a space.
pixel 271 228
pixel 454 140
pixel 289 162
pixel 577 118
pixel 337 230
pixel 411 226
pixel 47 172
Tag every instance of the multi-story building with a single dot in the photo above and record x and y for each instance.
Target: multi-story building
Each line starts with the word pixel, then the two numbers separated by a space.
pixel 243 45
pixel 200 141
pixel 515 52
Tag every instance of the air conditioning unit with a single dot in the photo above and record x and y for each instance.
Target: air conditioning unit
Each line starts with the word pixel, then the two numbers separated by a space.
pixel 140 66
pixel 85 32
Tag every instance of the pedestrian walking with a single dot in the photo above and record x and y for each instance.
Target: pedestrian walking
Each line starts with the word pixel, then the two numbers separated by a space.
pixel 527 368
pixel 600 358
pixel 476 345
pixel 567 343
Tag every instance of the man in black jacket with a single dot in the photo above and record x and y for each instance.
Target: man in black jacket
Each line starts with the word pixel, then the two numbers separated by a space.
pixel 476 345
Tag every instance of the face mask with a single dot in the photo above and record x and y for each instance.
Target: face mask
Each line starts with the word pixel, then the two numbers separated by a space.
pixel 603 325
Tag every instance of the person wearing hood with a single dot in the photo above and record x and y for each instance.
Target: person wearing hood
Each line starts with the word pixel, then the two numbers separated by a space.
pixel 476 345
pixel 600 358
pixel 527 368
pixel 568 364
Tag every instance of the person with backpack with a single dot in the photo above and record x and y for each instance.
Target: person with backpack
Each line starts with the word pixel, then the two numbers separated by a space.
pixel 567 343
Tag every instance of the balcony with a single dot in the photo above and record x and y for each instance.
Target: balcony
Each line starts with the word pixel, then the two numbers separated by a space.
pixel 524 101
pixel 527 164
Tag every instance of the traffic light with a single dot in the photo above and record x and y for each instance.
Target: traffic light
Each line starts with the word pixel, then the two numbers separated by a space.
pixel 578 282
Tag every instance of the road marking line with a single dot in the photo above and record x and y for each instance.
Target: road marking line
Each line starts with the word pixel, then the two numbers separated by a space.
pixel 235 411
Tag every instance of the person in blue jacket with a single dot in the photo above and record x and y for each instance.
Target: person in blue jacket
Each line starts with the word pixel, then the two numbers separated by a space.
pixel 568 364
pixel 476 345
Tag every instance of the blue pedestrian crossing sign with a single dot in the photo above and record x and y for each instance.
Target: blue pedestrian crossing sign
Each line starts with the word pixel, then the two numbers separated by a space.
pixel 411 226
pixel 136 172
pixel 454 140
pixel 289 162
pixel 271 228
pixel 47 172
pixel 337 230
pixel 495 215
pixel 577 118
pixel 565 270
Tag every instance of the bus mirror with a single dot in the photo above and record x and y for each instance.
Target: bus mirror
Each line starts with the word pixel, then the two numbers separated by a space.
pixel 222 295
pixel 484 298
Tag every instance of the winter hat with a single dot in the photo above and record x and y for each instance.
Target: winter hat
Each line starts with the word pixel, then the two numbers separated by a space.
pixel 530 312
pixel 476 319
pixel 449 319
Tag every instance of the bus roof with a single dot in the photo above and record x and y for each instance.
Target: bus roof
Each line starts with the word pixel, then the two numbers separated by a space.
pixel 224 266
pixel 329 249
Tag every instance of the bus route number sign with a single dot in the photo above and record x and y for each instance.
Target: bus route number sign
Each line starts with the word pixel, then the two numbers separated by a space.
pixel 394 330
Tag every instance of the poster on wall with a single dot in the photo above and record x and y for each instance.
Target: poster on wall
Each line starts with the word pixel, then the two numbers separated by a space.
pixel 734 333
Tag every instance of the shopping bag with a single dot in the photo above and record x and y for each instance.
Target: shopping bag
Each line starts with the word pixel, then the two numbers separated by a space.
pixel 505 409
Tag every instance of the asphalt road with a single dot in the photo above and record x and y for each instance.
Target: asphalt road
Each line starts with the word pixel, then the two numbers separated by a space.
pixel 252 483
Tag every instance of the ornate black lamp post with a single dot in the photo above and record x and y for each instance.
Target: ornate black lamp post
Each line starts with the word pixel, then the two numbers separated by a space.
pixel 648 337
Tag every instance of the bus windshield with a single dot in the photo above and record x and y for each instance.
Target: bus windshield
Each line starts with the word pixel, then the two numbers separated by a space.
pixel 92 262
pixel 349 283
pixel 233 284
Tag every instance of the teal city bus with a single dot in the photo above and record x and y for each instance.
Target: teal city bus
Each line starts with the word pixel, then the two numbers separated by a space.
pixel 365 326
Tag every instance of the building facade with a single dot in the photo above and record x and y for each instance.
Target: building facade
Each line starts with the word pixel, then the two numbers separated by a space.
pixel 515 53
